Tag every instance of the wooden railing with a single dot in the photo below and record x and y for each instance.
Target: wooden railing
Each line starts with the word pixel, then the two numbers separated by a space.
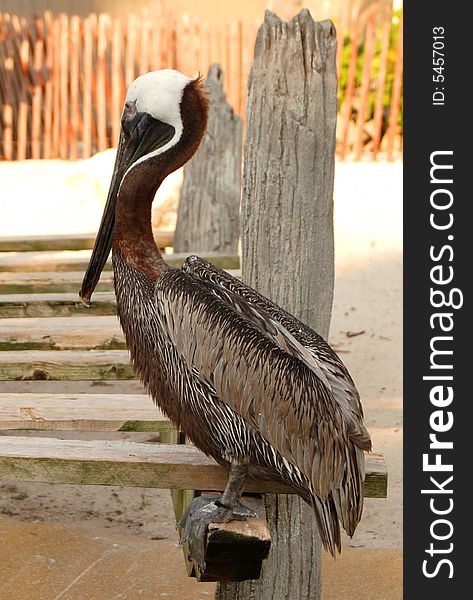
pixel 63 78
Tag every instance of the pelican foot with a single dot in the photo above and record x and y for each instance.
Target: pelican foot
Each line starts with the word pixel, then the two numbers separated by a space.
pixel 202 511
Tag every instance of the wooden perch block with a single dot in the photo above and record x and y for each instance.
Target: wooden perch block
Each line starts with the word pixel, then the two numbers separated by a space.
pixel 111 462
pixel 65 366
pixel 78 260
pixel 235 550
pixel 44 283
pixel 81 412
pixel 56 282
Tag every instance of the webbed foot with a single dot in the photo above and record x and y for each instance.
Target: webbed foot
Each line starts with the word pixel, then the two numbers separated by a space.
pixel 202 511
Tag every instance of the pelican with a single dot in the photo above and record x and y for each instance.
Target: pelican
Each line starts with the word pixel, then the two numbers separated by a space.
pixel 250 385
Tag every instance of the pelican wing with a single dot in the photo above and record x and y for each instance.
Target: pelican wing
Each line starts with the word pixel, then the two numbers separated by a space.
pixel 262 372
pixel 312 348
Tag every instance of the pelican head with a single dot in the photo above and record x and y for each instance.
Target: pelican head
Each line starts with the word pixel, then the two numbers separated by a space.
pixel 163 120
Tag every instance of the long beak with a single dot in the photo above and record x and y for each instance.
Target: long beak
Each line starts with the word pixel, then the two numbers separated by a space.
pixel 104 239
pixel 141 135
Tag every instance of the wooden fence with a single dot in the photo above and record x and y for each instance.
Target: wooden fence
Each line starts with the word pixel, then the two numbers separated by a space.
pixel 63 78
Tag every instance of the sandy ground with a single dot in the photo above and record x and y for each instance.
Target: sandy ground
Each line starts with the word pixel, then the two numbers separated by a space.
pixel 41 524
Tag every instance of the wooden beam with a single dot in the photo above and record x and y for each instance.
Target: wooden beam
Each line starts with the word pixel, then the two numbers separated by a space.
pixel 65 366
pixel 62 333
pixel 60 282
pixel 82 412
pixel 49 305
pixel 112 462
pixel 78 261
pixel 45 283
pixel 73 241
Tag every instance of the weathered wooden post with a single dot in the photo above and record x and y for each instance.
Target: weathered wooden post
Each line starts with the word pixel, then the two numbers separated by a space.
pixel 209 205
pixel 287 241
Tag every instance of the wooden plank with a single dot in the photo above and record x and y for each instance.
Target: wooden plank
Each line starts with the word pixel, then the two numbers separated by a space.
pixel 43 283
pixel 61 333
pixel 73 241
pixel 93 365
pixel 60 282
pixel 50 305
pixel 78 261
pixel 235 550
pixel 112 462
pixel 82 412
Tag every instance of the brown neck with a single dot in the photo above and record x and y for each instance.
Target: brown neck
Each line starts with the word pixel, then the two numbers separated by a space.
pixel 133 235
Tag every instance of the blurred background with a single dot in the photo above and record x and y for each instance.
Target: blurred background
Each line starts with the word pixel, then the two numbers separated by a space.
pixel 64 66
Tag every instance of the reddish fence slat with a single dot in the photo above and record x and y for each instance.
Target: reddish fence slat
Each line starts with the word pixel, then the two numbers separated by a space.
pixel 395 99
pixel 365 81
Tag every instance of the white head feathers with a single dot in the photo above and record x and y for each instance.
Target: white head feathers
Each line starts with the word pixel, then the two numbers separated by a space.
pixel 159 93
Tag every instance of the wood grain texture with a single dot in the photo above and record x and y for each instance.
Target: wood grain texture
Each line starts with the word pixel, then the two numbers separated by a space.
pixel 209 204
pixel 62 333
pixel 49 305
pixel 65 366
pixel 287 241
pixel 235 550
pixel 17 262
pixel 81 412
pixel 117 462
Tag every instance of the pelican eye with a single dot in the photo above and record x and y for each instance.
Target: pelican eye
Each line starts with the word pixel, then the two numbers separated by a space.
pixel 130 117
pixel 130 108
